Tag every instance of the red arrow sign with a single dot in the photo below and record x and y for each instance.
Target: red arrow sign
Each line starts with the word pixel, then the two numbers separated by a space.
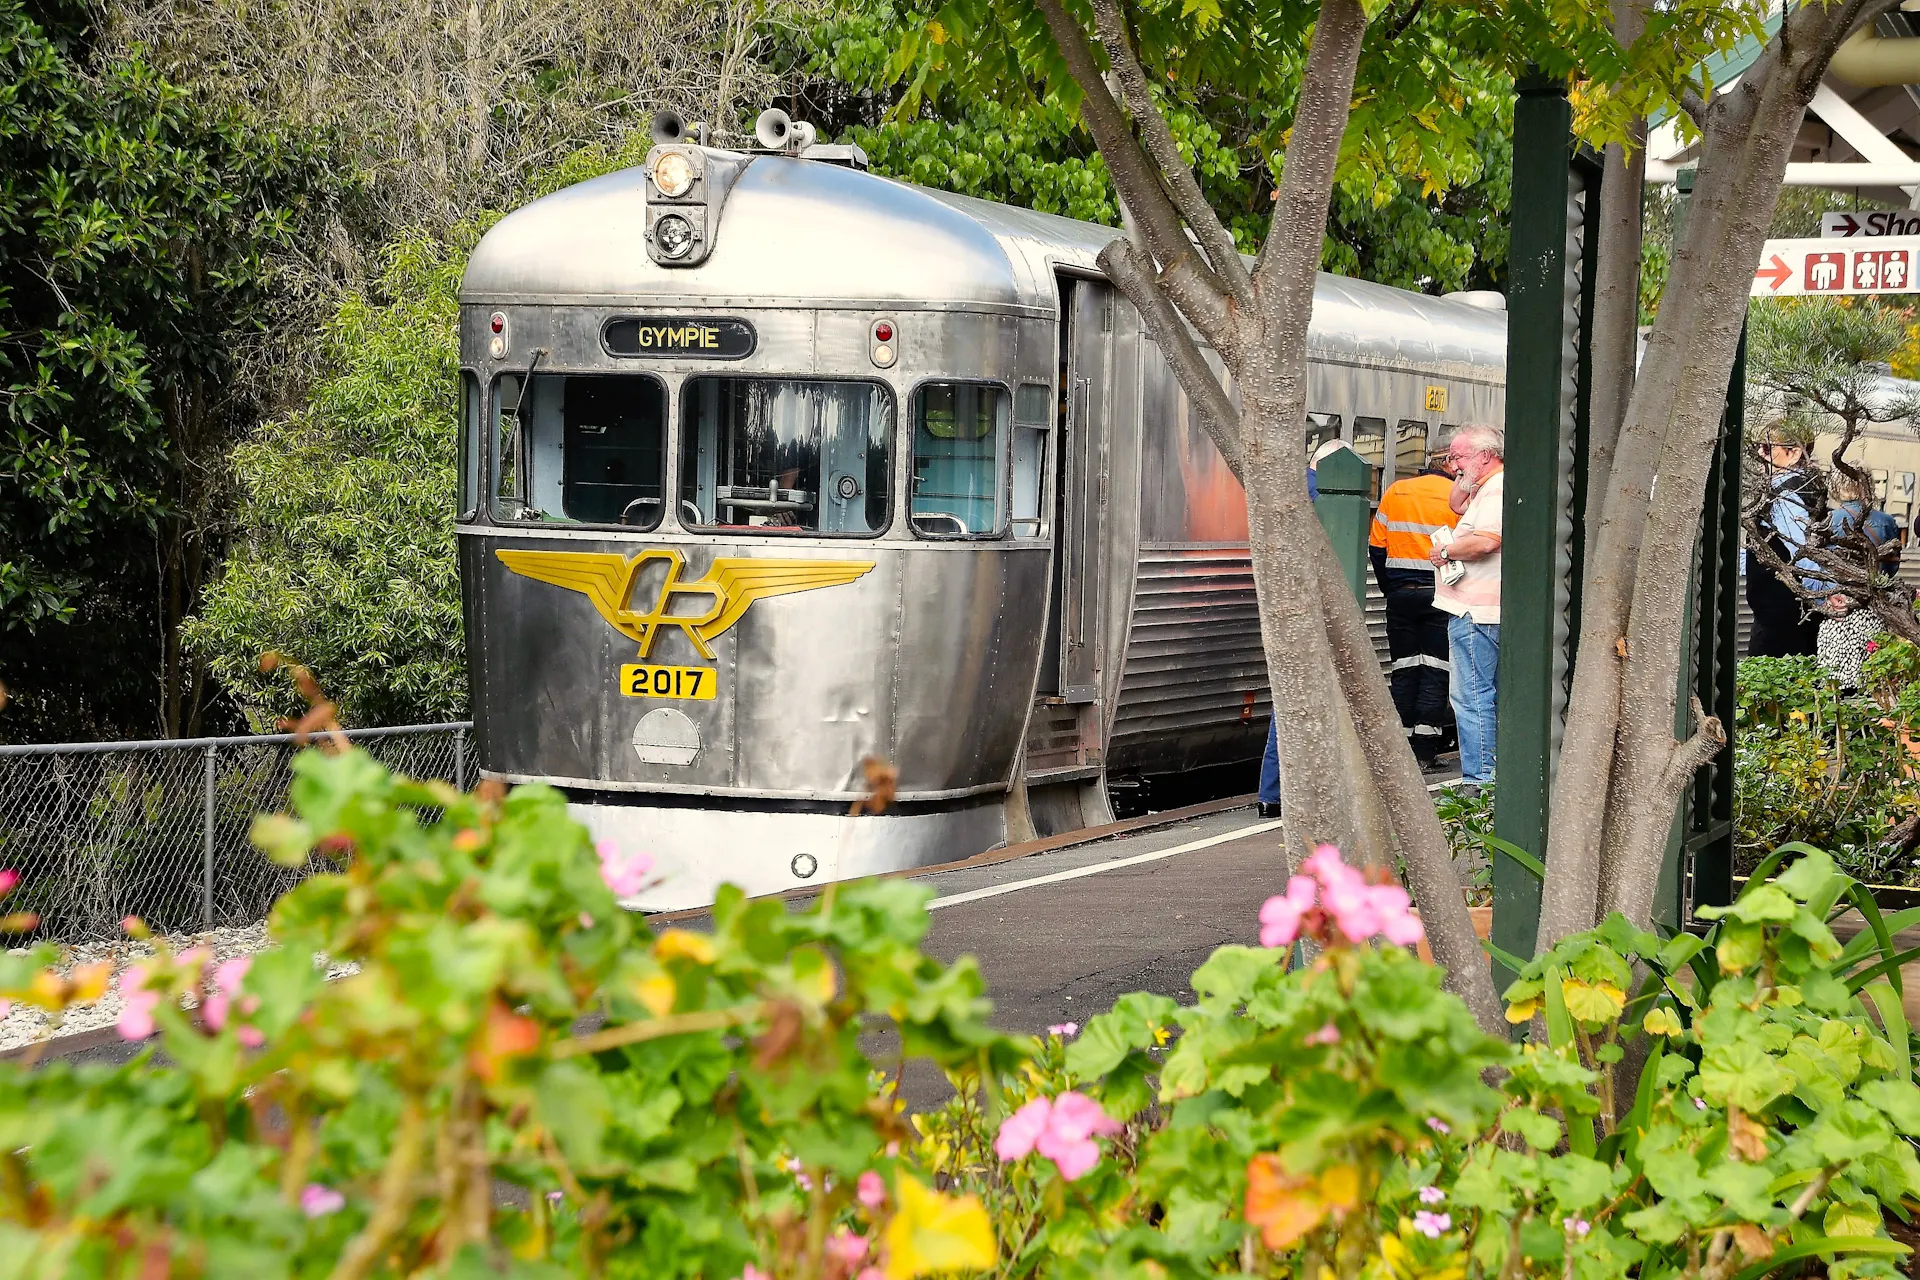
pixel 1775 275
pixel 1848 225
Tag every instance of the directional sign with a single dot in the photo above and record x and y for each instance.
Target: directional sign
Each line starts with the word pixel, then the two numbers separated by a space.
pixel 1878 222
pixel 1799 268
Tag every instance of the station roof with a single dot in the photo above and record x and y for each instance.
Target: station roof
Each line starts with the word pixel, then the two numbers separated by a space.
pixel 1862 129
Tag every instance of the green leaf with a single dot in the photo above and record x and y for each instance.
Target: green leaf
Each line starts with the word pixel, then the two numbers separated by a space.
pixel 1107 1039
pixel 1744 1188
pixel 1542 1133
pixel 1823 1246
pixel 1532 865
pixel 1807 876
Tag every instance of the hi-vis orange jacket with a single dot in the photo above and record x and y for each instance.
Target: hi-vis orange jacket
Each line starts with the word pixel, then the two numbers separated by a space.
pixel 1403 528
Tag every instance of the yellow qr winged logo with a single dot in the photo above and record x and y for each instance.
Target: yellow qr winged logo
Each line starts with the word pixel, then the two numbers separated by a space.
pixel 728 591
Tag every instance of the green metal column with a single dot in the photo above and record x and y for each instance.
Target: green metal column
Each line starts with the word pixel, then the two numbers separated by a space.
pixel 1345 482
pixel 1545 419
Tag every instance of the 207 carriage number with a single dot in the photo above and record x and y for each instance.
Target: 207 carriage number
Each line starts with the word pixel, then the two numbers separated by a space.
pixel 638 680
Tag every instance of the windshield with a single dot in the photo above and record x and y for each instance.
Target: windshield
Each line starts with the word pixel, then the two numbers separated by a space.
pixel 585 447
pixel 778 454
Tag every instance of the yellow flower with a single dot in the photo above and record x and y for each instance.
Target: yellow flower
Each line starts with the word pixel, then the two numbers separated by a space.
pixel 933 1233
pixel 679 944
pixel 656 992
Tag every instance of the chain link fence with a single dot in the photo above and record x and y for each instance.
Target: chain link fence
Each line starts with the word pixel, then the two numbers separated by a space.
pixel 100 831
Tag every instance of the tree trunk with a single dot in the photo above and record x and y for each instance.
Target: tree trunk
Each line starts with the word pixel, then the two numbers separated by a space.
pixel 1621 764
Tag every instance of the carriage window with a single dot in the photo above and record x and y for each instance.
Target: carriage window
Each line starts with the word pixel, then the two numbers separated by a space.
pixel 1409 448
pixel 775 454
pixel 585 447
pixel 467 475
pixel 1032 423
pixel 1321 427
pixel 1370 442
pixel 957 429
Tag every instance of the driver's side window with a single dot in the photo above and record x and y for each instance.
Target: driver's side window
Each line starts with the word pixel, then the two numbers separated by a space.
pixel 959 431
pixel 580 447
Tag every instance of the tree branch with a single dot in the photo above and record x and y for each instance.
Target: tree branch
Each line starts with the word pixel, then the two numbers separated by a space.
pixel 1134 176
pixel 1215 240
pixel 1313 150
pixel 1423 844
pixel 1127 267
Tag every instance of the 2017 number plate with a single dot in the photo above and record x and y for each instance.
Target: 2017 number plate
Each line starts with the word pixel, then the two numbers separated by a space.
pixel 639 680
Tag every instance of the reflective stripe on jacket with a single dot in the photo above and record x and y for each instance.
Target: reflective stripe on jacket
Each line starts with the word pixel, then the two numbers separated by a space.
pixel 1403 527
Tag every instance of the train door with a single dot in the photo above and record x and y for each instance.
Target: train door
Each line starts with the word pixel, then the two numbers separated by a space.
pixel 1070 673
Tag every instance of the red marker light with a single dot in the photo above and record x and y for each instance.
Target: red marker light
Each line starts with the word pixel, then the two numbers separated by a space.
pixel 498 323
pixel 883 332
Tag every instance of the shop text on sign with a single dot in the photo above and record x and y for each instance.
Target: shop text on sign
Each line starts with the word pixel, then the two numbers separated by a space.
pixel 1877 222
pixel 1802 268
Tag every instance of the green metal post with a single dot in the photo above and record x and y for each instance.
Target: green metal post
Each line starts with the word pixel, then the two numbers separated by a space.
pixel 1345 482
pixel 1546 329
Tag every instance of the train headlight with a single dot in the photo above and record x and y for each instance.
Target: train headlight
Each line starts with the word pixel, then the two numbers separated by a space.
pixel 673 174
pixel 673 236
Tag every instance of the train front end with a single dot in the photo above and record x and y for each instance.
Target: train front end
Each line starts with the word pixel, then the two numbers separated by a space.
pixel 735 516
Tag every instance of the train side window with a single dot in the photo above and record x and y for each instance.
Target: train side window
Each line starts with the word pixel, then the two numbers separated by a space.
pixel 958 429
pixel 1370 442
pixel 783 455
pixel 1409 448
pixel 467 476
pixel 1032 414
pixel 579 447
pixel 1321 427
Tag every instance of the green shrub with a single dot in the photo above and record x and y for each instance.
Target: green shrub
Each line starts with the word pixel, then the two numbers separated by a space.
pixel 520 1078
pixel 1811 766
pixel 1338 1120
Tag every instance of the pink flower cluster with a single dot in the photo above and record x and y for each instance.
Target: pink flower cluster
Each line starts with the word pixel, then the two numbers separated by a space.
pixel 1062 1129
pixel 1337 895
pixel 136 1004
pixel 625 873
pixel 220 1000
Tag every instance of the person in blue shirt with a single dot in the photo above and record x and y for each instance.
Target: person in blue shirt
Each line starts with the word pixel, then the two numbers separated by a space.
pixel 1851 510
pixel 1781 626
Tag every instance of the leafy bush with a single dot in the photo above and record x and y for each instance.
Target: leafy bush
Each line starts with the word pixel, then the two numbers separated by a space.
pixel 1337 1120
pixel 449 1105
pixel 1466 815
pixel 1811 766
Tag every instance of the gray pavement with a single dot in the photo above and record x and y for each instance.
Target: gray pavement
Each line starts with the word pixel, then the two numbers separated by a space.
pixel 1062 950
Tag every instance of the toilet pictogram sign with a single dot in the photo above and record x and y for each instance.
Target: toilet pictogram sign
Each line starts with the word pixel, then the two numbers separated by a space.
pixel 1797 268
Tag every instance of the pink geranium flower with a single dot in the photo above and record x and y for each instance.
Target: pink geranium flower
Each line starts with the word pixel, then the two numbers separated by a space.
pixel 1432 1225
pixel 317 1201
pixel 1432 1195
pixel 220 1000
pixel 136 1004
pixel 625 873
pixel 1019 1131
pixel 847 1247
pixel 1328 1034
pixel 1280 915
pixel 8 879
pixel 1065 1030
pixel 1062 1129
pixel 871 1191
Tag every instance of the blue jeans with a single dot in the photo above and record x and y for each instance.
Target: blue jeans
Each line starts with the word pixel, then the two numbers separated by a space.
pixel 1270 766
pixel 1475 693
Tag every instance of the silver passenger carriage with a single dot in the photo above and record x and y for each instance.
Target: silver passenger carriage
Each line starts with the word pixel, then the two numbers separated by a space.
pixel 770 466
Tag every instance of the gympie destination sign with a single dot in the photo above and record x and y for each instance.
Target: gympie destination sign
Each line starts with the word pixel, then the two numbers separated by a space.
pixel 701 337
